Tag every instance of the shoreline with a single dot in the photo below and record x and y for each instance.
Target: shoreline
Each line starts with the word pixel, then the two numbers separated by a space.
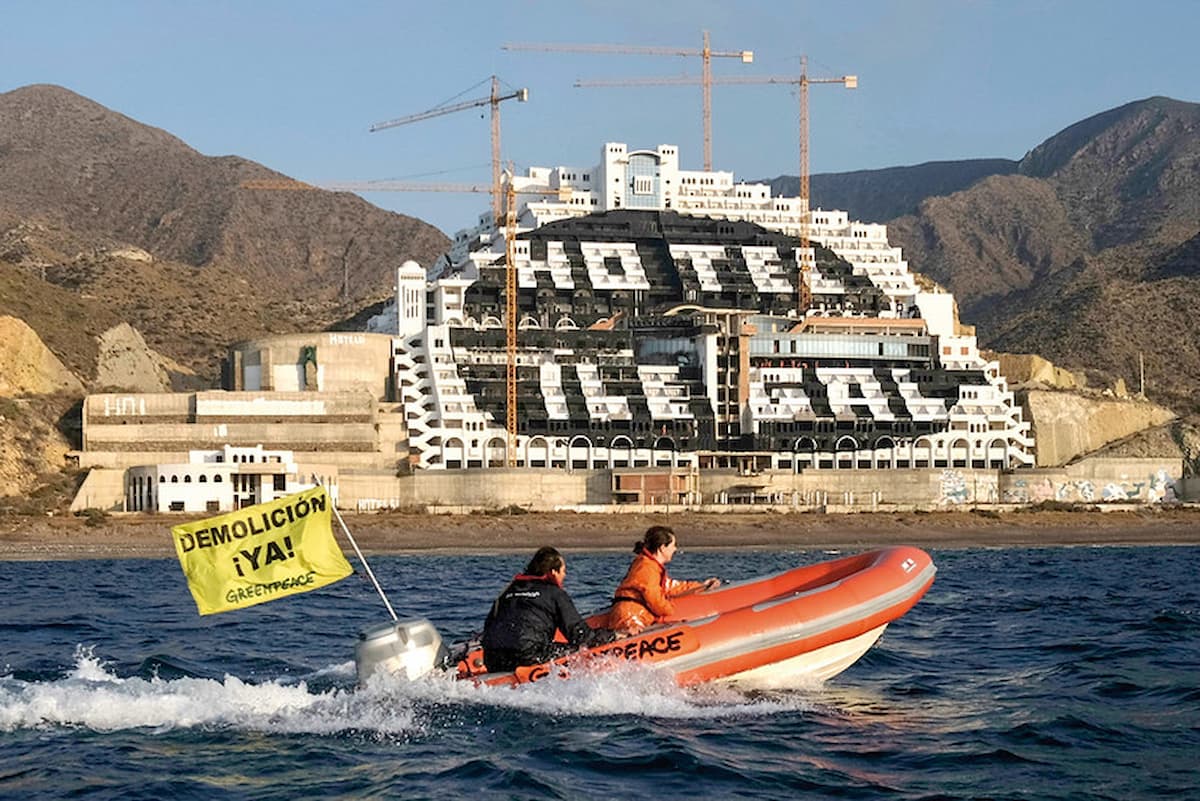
pixel 394 533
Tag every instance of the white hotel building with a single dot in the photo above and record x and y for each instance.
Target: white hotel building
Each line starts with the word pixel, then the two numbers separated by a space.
pixel 658 325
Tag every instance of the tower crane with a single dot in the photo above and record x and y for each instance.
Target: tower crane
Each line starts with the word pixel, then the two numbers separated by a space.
pixel 706 54
pixel 804 291
pixel 494 99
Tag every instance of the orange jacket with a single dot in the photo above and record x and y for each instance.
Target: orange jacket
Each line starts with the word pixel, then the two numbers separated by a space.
pixel 645 594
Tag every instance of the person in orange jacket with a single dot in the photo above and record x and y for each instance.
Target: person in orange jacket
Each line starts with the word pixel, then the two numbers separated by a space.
pixel 644 595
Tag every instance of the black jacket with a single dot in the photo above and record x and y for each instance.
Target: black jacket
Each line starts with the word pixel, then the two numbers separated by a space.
pixel 520 627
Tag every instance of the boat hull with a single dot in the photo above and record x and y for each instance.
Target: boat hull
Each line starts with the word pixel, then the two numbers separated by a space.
pixel 812 666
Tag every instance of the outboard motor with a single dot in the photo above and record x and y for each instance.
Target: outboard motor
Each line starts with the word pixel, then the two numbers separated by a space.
pixel 408 648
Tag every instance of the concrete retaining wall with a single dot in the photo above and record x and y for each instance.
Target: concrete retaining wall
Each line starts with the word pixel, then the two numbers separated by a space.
pixel 824 487
pixel 1095 481
pixel 491 489
pixel 101 489
pixel 201 436
pixel 348 429
pixel 1092 481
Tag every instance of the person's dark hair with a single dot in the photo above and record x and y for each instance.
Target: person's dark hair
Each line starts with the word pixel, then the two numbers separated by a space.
pixel 545 561
pixel 656 537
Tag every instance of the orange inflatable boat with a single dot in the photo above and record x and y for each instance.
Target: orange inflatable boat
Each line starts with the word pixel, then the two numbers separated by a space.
pixel 809 622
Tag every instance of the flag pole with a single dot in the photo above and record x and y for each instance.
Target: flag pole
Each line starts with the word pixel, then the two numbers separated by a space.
pixel 363 559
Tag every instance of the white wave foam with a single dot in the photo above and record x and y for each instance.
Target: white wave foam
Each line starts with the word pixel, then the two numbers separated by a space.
pixel 91 696
pixel 624 690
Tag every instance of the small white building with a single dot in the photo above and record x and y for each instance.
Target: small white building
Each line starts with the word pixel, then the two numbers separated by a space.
pixel 219 481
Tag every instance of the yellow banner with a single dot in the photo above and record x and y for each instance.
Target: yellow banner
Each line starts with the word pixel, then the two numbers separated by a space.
pixel 260 553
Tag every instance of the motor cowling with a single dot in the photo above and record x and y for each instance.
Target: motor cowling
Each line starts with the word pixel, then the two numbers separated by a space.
pixel 407 648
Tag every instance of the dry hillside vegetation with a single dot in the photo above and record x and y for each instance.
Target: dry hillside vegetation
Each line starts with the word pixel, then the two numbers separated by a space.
pixel 1091 256
pixel 143 229
pixel 35 436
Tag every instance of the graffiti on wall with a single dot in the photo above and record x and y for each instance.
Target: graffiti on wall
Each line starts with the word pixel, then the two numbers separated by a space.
pixel 1158 487
pixel 955 488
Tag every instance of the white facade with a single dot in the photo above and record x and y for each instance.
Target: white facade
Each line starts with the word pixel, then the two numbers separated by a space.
pixel 447 429
pixel 218 481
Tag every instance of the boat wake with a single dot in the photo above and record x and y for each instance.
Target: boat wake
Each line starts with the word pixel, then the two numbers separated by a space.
pixel 92 696
pixel 326 702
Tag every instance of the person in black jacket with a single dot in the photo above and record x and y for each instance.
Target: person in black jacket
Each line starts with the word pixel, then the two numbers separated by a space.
pixel 521 624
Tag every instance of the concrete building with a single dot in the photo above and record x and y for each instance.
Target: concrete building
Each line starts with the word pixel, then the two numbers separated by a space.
pixel 220 481
pixel 300 409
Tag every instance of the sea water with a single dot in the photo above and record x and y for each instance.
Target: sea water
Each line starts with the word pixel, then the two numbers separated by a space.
pixel 1048 673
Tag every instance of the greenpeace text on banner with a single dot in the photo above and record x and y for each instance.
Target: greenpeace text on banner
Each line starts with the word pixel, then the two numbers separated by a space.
pixel 261 553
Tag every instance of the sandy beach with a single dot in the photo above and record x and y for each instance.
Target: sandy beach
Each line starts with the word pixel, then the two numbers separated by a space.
pixel 148 536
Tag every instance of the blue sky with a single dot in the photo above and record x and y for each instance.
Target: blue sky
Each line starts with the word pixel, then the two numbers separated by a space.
pixel 295 85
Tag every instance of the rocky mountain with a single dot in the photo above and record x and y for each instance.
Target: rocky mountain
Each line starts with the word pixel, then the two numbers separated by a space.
pixel 1089 255
pixel 104 220
pixel 1086 251
pixel 877 195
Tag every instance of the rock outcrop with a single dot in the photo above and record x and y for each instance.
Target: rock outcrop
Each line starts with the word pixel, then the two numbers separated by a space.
pixel 1067 425
pixel 1031 370
pixel 27 367
pixel 126 362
